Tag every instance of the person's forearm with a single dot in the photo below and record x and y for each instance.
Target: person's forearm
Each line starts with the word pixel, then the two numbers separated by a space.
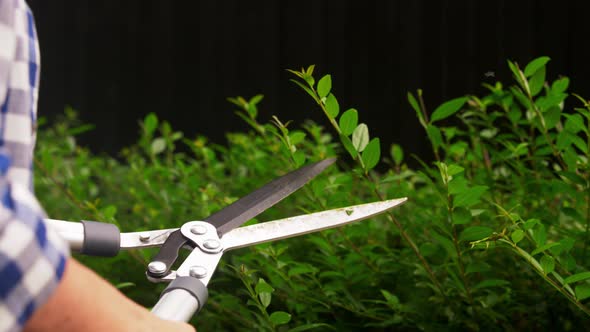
pixel 85 302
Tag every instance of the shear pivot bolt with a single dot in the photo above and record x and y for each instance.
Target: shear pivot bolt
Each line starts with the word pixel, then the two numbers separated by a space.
pixel 211 244
pixel 157 267
pixel 199 229
pixel 144 237
pixel 198 271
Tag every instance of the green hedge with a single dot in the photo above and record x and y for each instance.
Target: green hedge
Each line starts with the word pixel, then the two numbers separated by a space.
pixel 494 236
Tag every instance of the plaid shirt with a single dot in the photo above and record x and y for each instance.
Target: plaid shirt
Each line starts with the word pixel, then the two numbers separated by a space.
pixel 32 257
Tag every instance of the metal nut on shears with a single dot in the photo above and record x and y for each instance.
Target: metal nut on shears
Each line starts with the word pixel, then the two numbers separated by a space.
pixel 199 230
pixel 203 235
pixel 198 271
pixel 157 267
pixel 211 244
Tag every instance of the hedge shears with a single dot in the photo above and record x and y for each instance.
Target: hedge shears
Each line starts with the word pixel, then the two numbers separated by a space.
pixel 209 238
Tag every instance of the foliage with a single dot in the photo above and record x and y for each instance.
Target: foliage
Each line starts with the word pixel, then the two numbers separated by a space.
pixel 494 236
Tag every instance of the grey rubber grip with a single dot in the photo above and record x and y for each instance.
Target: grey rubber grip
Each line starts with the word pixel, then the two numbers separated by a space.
pixel 192 285
pixel 100 239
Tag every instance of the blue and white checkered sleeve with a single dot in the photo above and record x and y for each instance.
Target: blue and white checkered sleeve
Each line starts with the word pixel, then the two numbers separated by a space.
pixel 7 47
pixel 32 257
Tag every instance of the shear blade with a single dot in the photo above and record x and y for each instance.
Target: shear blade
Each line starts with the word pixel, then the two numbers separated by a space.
pixel 264 197
pixel 304 224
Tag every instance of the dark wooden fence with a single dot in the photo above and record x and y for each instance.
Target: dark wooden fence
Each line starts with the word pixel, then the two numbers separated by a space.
pixel 116 60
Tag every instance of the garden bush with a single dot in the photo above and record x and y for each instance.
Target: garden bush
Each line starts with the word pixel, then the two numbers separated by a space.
pixel 494 236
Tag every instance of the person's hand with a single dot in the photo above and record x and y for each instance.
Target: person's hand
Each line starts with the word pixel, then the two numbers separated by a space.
pixel 85 302
pixel 163 325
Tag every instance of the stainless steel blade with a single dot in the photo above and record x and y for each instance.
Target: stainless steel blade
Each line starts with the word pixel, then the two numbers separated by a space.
pixel 304 224
pixel 261 199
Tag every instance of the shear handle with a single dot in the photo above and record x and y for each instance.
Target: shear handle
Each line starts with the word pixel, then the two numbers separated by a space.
pixel 89 237
pixel 184 297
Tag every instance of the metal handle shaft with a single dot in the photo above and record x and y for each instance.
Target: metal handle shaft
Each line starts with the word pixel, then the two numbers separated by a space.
pixel 71 232
pixel 184 297
pixel 177 305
